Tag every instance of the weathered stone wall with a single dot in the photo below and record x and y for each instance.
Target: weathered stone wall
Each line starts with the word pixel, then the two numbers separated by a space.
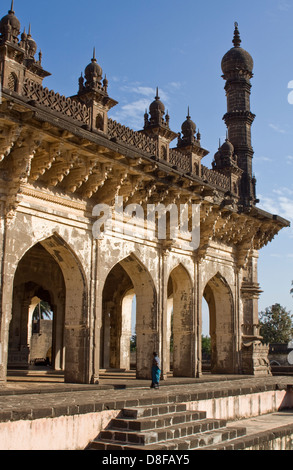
pixel 162 279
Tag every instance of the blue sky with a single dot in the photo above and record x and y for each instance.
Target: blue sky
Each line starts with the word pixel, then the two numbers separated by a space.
pixel 178 46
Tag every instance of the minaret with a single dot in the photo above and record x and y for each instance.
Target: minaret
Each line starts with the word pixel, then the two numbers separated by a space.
pixel 237 67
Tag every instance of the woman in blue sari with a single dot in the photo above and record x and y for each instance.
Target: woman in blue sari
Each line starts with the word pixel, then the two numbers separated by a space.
pixel 156 371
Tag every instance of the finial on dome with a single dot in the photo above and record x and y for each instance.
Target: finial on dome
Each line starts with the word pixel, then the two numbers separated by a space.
pixel 236 40
pixel 11 8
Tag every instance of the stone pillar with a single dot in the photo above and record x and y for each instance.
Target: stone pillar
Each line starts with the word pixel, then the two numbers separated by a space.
pixel 254 355
pixel 2 238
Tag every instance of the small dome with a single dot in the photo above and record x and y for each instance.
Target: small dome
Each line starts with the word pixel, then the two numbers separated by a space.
pixel 237 58
pixel 32 45
pixel 157 105
pixel 227 148
pixel 93 72
pixel 188 127
pixel 11 20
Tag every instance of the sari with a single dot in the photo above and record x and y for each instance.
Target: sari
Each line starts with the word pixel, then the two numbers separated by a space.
pixel 156 372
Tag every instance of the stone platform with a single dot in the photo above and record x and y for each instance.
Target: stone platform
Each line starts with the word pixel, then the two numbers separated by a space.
pixel 70 416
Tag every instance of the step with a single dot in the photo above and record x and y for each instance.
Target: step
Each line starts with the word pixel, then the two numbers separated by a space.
pixel 198 441
pixel 154 436
pixel 156 421
pixel 152 410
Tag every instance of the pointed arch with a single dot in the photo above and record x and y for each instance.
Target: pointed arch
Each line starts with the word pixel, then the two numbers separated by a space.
pixel 130 274
pixel 219 298
pixel 70 298
pixel 181 290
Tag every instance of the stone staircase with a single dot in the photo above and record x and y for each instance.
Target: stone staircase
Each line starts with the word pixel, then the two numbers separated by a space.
pixel 164 427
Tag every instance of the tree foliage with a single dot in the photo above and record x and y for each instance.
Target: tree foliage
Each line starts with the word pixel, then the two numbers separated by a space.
pixel 206 346
pixel 276 325
pixel 42 311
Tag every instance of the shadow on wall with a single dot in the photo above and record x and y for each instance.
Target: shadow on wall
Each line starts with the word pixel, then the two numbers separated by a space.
pixel 287 403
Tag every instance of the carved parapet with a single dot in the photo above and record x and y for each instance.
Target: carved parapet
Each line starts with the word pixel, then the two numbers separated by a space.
pixel 215 178
pixel 68 107
pixel 180 160
pixel 130 137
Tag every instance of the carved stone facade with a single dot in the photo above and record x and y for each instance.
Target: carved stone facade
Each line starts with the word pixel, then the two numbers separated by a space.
pixel 59 158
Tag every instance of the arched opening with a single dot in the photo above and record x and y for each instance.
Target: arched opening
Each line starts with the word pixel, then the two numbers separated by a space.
pixel 180 323
pixel 129 309
pixel 205 337
pixel 38 281
pixel 116 329
pixel 219 298
pixel 49 272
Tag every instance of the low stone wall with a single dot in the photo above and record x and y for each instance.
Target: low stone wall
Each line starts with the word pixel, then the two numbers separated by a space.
pixel 62 433
pixel 247 405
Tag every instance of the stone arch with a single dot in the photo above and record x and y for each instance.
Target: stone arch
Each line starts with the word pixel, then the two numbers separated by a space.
pixel 13 82
pixel 131 276
pixel 181 291
pixel 71 298
pixel 219 298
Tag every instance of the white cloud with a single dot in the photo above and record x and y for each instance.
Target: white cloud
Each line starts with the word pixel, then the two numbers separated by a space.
pixel 264 159
pixel 137 98
pixel 132 113
pixel 280 203
pixel 268 204
pixel 277 128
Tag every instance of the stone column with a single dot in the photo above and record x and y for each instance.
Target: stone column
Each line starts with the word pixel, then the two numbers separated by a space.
pixel 254 354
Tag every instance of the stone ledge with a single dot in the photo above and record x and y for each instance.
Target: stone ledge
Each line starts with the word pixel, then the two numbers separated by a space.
pixel 94 404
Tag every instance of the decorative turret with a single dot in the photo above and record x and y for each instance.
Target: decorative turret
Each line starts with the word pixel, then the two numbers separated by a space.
pixel 225 162
pixel 237 67
pixel 31 45
pixel 18 63
pixel 156 124
pixel 93 92
pixel 189 144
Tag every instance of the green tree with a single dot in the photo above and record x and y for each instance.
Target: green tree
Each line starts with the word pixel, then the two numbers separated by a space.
pixel 42 311
pixel 276 325
pixel 133 343
pixel 206 346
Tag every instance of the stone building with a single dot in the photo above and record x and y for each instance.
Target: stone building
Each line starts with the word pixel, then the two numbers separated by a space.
pixel 60 159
